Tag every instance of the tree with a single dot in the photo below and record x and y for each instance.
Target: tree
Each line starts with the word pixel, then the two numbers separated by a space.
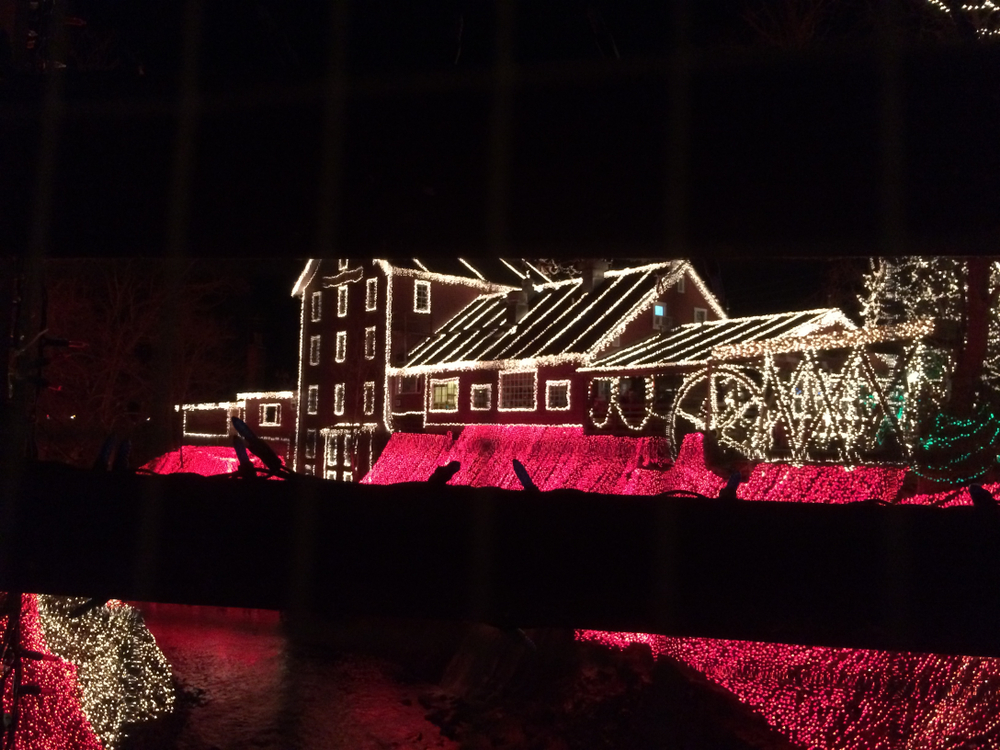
pixel 956 443
pixel 149 341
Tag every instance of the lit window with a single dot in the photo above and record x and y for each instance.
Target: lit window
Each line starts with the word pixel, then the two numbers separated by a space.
pixel 314 350
pixel 371 294
pixel 312 399
pixel 317 307
pixel 348 453
pixel 347 476
pixel 309 470
pixel 331 475
pixel 700 315
pixel 341 301
pixel 444 395
pixel 481 397
pixel 660 320
pixel 557 395
pixel 332 450
pixel 338 399
pixel 422 296
pixel 310 443
pixel 341 354
pixel 370 398
pixel 518 391
pixel 270 415
pixel 680 284
pixel 370 342
pixel 343 263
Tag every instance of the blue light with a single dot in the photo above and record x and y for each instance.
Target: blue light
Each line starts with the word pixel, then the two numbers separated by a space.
pixel 658 310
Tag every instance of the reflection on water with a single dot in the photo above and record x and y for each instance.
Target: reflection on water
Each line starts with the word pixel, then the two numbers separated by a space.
pixel 252 689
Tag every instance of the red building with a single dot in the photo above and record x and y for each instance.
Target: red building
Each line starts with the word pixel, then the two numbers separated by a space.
pixel 358 320
pixel 517 357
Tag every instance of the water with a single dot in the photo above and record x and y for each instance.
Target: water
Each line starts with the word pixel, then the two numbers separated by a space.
pixel 248 687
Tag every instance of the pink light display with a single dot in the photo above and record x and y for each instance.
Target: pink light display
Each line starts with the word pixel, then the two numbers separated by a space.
pixel 821 484
pixel 206 460
pixel 848 699
pixel 53 720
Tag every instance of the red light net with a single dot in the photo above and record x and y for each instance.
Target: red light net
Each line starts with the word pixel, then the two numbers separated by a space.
pixel 54 719
pixel 819 697
pixel 206 460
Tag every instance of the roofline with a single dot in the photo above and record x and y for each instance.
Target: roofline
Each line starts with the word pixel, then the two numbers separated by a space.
pixel 311 267
pixel 445 278
pixel 525 363
pixel 705 291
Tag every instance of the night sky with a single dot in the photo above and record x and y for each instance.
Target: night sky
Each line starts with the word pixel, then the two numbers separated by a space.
pixel 760 150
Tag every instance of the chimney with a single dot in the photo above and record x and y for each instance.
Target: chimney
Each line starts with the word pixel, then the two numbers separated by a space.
pixel 518 301
pixel 593 274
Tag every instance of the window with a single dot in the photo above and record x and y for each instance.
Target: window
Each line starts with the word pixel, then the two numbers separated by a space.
pixel 481 397
pixel 341 301
pixel 338 399
pixel 409 384
pixel 331 475
pixel 310 443
pixel 347 476
pixel 314 350
pixel 680 284
pixel 518 391
pixel 316 310
pixel 444 395
pixel 557 395
pixel 602 390
pixel 309 470
pixel 370 342
pixel 370 398
pixel 660 319
pixel 371 294
pixel 270 415
pixel 312 400
pixel 343 263
pixel 422 296
pixel 348 454
pixel 333 450
pixel 341 354
pixel 700 315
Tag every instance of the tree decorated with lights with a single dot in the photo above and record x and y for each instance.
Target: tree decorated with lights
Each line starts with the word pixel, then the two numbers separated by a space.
pixel 957 442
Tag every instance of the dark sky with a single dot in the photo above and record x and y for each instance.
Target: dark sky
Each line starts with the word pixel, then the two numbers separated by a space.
pixel 762 151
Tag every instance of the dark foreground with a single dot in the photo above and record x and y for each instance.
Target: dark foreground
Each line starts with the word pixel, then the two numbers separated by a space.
pixel 250 680
pixel 900 578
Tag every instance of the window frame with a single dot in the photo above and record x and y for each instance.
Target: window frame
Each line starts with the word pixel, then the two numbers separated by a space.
pixel 340 347
pixel 312 399
pixel 551 385
pixel 310 446
pixel 435 382
pixel 339 395
pixel 419 284
pixel 534 394
pixel 369 397
pixel 277 415
pixel 371 342
pixel 343 264
pixel 316 307
pixel 486 388
pixel 700 312
pixel 314 350
pixel 371 294
pixel 342 301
